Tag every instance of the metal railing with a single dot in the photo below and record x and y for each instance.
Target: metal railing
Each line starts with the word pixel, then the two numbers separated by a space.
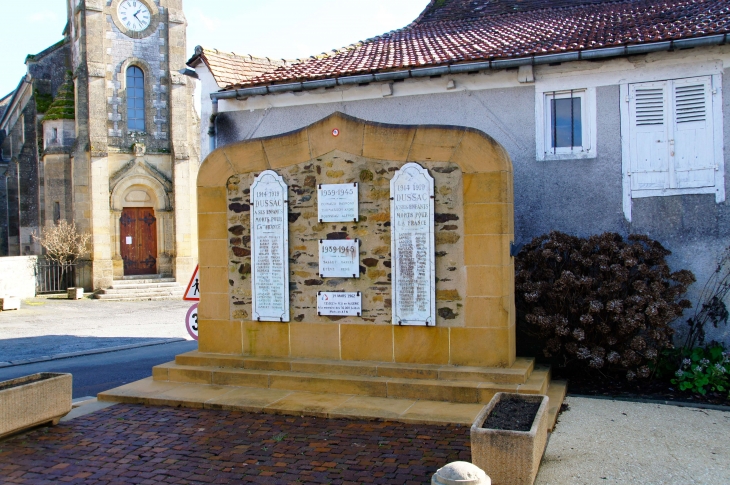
pixel 54 277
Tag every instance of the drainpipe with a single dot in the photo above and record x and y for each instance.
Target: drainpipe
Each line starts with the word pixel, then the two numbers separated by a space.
pixel 211 125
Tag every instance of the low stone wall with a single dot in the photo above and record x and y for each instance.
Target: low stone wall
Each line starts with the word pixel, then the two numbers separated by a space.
pixel 17 276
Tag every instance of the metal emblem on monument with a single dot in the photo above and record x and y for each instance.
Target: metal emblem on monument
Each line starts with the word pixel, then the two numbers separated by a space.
pixel 412 246
pixel 270 248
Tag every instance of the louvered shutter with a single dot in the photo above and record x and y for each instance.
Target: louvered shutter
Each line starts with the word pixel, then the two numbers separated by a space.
pixel 649 146
pixel 692 143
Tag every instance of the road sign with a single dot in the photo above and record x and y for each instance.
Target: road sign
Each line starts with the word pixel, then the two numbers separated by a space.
pixel 191 321
pixel 193 291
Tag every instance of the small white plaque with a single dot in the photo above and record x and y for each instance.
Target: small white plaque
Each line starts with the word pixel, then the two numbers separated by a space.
pixel 339 303
pixel 129 240
pixel 339 258
pixel 270 248
pixel 337 202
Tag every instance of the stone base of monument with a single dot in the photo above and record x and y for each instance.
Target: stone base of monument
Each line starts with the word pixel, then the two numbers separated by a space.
pixel 413 393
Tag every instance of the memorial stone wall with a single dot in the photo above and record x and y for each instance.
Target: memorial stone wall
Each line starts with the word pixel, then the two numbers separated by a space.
pixel 449 191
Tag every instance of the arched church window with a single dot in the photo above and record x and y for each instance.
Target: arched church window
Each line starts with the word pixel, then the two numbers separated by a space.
pixel 135 99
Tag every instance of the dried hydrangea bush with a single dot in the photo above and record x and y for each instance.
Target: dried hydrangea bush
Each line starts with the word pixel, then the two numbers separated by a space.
pixel 601 304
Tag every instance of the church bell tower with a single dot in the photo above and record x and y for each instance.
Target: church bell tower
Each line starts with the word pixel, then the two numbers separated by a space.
pixel 136 157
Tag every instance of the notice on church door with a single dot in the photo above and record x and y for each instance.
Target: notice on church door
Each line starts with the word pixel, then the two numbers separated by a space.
pixel 269 248
pixel 412 246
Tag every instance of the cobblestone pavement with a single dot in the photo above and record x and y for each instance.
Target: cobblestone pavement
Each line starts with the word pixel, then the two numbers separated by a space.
pixel 135 444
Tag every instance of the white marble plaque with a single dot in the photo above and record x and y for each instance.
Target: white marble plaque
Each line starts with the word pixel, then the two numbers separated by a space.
pixel 339 303
pixel 412 246
pixel 337 202
pixel 270 248
pixel 339 258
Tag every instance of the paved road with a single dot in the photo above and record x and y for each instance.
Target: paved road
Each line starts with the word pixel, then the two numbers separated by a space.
pixel 95 373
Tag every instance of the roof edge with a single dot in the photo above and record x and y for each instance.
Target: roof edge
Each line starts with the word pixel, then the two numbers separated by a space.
pixel 496 64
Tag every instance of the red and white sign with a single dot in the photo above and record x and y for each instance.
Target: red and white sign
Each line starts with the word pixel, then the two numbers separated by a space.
pixel 193 291
pixel 191 321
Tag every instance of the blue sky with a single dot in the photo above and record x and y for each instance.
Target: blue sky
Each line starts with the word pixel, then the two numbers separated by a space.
pixel 273 28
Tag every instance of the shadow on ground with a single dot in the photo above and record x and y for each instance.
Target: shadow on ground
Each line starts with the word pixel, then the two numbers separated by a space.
pixel 31 348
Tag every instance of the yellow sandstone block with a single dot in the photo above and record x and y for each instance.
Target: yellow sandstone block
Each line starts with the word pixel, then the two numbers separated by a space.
pixel 266 339
pixel 367 342
pixel 215 170
pixel 487 249
pixel 478 152
pixel 494 218
pixel 219 336
pixel 435 144
pixel 348 139
pixel 212 199
pixel 213 252
pixel 213 306
pixel 487 347
pixel 247 156
pixel 287 150
pixel 387 142
pixel 490 280
pixel 315 341
pixel 481 188
pixel 421 345
pixel 491 312
pixel 212 225
pixel 214 280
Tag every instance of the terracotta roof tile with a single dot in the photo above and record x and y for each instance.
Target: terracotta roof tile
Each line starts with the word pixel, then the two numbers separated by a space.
pixel 228 68
pixel 453 31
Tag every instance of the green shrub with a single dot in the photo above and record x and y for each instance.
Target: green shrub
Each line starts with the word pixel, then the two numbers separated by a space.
pixel 600 303
pixel 704 369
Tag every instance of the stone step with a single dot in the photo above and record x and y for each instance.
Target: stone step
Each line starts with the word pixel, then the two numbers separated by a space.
pixel 519 373
pixel 150 287
pixel 132 283
pixel 454 391
pixel 279 401
pixel 140 295
pixel 150 277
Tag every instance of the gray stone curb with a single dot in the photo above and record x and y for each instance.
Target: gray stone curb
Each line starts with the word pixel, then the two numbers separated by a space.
pixel 679 404
pixel 88 352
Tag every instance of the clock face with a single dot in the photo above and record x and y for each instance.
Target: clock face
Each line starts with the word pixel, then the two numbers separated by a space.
pixel 134 15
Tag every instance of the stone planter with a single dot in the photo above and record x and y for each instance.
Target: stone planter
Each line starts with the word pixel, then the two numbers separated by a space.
pixel 75 293
pixel 33 400
pixel 9 303
pixel 510 457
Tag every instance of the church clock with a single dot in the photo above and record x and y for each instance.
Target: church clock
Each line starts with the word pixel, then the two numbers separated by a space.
pixel 134 15
pixel 135 18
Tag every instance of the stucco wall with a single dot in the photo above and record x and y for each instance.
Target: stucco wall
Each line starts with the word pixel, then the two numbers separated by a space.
pixel 581 197
pixel 17 276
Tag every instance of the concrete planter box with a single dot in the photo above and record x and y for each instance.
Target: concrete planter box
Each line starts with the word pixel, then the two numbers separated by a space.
pixel 9 303
pixel 33 400
pixel 510 457
pixel 75 293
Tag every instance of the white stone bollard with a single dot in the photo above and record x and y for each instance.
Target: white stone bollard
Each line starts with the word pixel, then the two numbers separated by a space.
pixel 10 303
pixel 461 473
pixel 75 293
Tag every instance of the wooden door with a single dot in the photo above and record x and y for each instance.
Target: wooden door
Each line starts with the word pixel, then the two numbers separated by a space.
pixel 138 231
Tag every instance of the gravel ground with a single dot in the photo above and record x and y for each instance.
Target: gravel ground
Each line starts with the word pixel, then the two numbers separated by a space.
pixel 617 442
pixel 47 326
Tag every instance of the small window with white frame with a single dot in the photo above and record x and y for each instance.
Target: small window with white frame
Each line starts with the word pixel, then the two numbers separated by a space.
pixel 566 124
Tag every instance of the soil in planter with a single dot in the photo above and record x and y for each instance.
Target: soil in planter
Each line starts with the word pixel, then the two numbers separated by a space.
pixel 26 380
pixel 512 414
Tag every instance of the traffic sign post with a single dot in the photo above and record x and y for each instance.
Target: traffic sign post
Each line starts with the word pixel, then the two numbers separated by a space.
pixel 193 291
pixel 191 321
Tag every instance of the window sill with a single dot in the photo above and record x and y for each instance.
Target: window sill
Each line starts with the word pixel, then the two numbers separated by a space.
pixel 566 156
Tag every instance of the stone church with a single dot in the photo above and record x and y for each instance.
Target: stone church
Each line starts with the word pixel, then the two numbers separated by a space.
pixel 102 131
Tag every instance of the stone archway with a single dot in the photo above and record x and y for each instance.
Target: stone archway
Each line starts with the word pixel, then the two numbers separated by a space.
pixel 141 219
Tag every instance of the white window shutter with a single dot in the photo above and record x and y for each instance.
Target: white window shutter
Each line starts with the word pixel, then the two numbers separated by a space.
pixel 649 145
pixel 692 145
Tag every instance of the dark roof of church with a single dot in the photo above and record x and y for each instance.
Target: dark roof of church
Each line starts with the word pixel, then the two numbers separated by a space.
pixel 460 31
